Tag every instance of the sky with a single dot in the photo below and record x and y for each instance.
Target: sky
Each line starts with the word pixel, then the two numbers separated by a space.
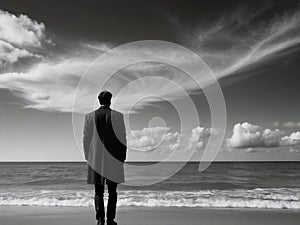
pixel 49 52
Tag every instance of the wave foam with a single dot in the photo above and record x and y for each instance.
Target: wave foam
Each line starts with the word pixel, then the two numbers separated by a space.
pixel 256 198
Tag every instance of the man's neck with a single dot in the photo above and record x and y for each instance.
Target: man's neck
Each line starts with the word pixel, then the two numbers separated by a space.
pixel 105 106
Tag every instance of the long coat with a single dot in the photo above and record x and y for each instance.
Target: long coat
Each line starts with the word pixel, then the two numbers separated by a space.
pixel 104 143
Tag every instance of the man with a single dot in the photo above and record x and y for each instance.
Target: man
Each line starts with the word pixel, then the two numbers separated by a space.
pixel 104 143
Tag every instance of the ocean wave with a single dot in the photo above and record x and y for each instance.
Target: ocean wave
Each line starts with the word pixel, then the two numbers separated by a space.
pixel 255 198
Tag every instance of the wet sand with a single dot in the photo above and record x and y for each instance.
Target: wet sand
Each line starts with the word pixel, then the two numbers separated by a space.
pixel 41 215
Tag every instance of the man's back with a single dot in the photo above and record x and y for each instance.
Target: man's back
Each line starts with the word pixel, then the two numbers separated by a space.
pixel 105 144
pixel 111 130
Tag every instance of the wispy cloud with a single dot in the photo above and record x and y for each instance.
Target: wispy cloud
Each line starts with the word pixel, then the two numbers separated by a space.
pixel 10 54
pixel 228 44
pixel 50 80
pixel 240 38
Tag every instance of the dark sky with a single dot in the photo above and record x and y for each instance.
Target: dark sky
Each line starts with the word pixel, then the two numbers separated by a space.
pixel 125 21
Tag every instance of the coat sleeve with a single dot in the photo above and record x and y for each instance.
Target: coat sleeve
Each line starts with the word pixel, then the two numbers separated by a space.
pixel 87 136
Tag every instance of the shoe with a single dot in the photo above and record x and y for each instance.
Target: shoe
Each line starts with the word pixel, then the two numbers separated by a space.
pixel 101 222
pixel 112 223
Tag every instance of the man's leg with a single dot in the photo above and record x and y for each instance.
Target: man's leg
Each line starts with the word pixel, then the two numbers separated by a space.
pixel 99 203
pixel 112 202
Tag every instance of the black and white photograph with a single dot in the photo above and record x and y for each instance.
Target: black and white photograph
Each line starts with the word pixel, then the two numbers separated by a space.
pixel 162 112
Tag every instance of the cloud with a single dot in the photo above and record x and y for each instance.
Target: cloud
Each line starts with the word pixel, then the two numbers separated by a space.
pixel 21 30
pixel 250 150
pixel 231 42
pixel 292 139
pixel 163 140
pixel 291 124
pixel 196 137
pixel 200 136
pixel 248 135
pixel 10 54
pixel 20 38
pixel 276 124
pixel 58 71
pixel 59 79
pixel 251 138
pixel 228 44
pixel 48 82
pixel 151 139
pixel 294 150
pixel 56 81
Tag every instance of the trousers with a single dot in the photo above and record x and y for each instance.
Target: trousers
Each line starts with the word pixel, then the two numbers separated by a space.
pixel 99 201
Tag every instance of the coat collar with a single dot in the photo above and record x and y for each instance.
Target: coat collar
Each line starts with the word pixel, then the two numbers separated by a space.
pixel 104 107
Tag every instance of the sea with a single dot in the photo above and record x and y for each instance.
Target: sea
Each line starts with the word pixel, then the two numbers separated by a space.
pixel 267 185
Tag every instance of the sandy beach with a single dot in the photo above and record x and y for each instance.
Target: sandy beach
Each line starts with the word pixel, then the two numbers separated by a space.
pixel 31 215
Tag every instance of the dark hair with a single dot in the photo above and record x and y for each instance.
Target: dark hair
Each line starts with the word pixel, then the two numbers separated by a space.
pixel 105 97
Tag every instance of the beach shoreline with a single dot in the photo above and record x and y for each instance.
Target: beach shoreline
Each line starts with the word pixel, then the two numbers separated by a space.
pixel 44 215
